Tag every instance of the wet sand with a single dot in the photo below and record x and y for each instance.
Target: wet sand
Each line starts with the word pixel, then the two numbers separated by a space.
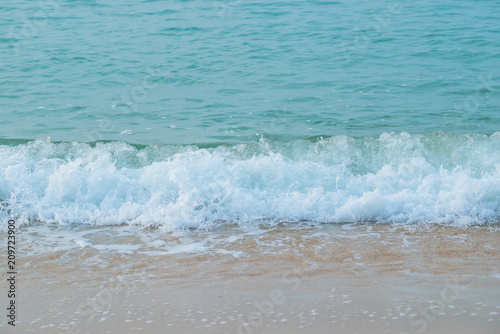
pixel 364 278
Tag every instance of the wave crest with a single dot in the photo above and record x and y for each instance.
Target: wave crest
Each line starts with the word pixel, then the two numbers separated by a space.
pixel 443 178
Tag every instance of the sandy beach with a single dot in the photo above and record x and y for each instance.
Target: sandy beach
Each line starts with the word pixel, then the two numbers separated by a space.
pixel 363 278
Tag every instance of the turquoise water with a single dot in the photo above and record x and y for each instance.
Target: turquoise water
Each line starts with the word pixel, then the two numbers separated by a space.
pixel 209 111
pixel 231 71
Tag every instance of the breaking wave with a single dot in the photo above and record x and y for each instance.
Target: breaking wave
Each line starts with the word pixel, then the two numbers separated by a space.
pixel 442 178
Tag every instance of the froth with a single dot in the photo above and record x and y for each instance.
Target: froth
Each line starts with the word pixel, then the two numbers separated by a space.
pixel 441 178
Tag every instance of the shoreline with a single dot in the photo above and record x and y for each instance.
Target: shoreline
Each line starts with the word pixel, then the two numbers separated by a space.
pixel 366 279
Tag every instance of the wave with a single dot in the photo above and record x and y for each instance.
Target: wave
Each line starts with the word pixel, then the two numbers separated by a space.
pixel 396 177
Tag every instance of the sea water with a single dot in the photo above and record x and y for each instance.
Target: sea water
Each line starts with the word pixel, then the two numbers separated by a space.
pixel 189 114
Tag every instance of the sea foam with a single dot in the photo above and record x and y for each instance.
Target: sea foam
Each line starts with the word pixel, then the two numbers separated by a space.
pixel 442 178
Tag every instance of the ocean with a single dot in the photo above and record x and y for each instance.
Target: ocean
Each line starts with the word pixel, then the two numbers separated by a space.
pixel 192 113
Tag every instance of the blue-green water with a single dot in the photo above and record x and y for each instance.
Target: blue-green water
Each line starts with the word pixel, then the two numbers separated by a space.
pixel 231 71
pixel 299 110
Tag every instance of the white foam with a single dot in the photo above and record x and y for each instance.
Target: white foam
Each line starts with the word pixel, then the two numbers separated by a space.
pixel 194 247
pixel 442 178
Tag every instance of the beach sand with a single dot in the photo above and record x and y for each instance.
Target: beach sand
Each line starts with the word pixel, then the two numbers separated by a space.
pixel 333 278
